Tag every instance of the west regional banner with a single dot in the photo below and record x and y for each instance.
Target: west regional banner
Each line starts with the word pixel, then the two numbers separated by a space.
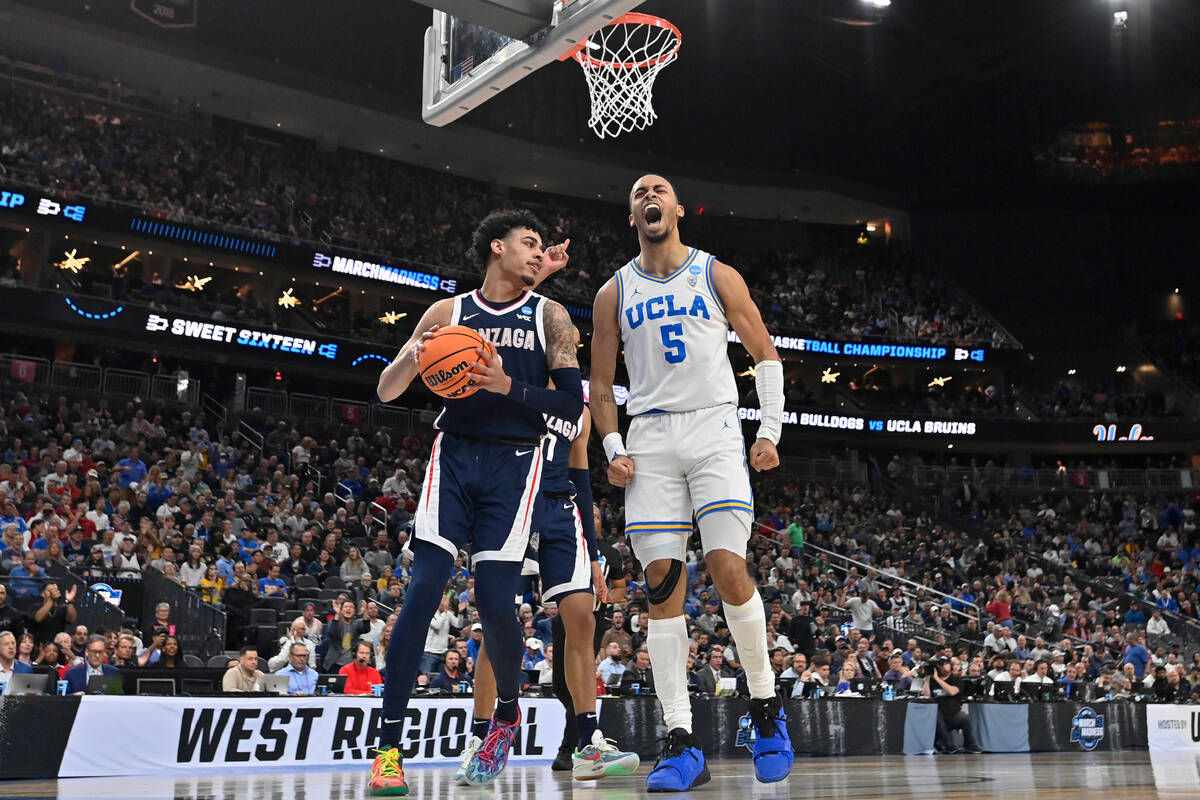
pixel 170 734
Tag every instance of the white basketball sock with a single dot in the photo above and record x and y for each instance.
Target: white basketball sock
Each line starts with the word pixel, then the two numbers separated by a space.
pixel 667 641
pixel 748 626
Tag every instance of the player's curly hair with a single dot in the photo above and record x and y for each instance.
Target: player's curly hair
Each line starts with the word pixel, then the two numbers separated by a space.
pixel 499 224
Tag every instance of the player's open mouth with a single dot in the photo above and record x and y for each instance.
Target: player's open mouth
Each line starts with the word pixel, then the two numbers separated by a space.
pixel 653 213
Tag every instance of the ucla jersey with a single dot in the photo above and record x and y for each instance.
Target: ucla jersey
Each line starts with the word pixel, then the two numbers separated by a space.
pixel 517 332
pixel 676 338
pixel 556 450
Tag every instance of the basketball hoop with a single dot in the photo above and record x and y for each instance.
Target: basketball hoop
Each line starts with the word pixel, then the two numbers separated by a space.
pixel 620 62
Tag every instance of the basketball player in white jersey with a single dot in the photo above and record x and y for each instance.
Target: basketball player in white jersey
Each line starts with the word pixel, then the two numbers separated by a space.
pixel 670 309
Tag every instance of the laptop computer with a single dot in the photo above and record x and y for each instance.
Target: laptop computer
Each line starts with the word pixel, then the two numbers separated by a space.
pixel 106 684
pixel 1037 691
pixel 331 684
pixel 27 684
pixel 867 687
pixel 278 684
pixel 159 687
pixel 195 686
pixel 786 685
pixel 1002 691
pixel 972 687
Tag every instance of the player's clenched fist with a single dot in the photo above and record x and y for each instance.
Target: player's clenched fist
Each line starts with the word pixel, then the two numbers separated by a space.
pixel 763 455
pixel 620 471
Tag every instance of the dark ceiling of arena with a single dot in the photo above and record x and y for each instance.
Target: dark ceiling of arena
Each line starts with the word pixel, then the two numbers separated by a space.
pixel 943 95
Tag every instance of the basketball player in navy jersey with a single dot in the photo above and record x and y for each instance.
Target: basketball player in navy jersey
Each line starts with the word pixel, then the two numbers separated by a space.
pixel 563 552
pixel 670 309
pixel 484 473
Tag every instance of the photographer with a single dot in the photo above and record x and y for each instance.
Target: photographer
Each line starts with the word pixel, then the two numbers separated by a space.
pixel 947 690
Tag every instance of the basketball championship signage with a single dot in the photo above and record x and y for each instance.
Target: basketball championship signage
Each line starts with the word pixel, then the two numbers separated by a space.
pixel 166 13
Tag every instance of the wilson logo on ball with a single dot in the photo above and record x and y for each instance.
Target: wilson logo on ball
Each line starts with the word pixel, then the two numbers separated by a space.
pixel 443 375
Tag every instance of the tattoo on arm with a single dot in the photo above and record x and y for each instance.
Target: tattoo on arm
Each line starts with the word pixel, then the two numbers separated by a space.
pixel 560 337
pixel 604 398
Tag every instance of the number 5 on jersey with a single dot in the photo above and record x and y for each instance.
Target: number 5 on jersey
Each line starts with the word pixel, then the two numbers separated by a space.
pixel 672 339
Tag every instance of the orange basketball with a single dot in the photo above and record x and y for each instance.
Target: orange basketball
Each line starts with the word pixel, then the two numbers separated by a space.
pixel 447 358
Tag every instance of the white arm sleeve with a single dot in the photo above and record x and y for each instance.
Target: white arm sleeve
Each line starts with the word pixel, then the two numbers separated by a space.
pixel 768 382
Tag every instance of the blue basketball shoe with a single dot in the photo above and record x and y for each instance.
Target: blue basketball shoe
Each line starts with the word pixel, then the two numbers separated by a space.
pixel 680 766
pixel 773 754
pixel 492 755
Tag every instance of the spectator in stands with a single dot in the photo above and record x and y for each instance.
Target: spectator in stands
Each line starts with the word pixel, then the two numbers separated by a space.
pixel 354 568
pixel 10 619
pixel 313 627
pixel 26 649
pixel 863 610
pixel 9 664
pixel 172 654
pixel 798 668
pixel 302 678
pixel 618 634
pixel 451 674
pixel 532 657
pixel 1137 655
pixel 152 654
pixel 340 636
pixel 194 570
pixel 94 658
pixel 897 673
pixel 611 668
pixel 244 676
pixel 28 578
pixel 272 585
pixel 360 675
pixel 131 470
pixel 438 636
pixel 297 632
pixel 212 585
pixel 162 619
pixel 381 647
pixel 847 673
pixel 709 677
pixel 1157 626
pixel 52 616
pixel 124 654
pixel 238 601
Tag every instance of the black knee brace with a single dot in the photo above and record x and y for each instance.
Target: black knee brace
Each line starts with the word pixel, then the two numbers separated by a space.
pixel 662 593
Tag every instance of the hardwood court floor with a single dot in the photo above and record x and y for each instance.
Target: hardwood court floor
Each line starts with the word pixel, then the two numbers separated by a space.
pixel 1059 775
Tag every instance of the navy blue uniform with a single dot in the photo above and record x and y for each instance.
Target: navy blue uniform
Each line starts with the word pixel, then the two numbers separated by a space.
pixel 558 549
pixel 485 470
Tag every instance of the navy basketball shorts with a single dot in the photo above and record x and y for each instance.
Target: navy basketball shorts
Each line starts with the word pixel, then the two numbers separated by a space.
pixel 479 496
pixel 562 556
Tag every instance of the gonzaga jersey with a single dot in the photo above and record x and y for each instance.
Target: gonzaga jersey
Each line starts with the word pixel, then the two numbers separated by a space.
pixel 556 449
pixel 676 338
pixel 517 333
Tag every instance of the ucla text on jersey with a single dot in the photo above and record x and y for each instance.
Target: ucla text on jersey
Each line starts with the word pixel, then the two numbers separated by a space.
pixel 675 337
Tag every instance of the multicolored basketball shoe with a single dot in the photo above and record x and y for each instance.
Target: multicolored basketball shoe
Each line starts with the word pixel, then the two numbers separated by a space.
pixel 773 755
pixel 460 774
pixel 680 766
pixel 387 774
pixel 601 759
pixel 491 757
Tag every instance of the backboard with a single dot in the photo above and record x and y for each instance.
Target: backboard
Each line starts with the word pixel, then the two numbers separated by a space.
pixel 466 64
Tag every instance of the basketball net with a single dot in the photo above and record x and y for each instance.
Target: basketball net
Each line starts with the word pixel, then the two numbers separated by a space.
pixel 620 63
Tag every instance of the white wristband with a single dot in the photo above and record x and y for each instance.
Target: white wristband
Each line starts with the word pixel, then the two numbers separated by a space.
pixel 768 383
pixel 613 446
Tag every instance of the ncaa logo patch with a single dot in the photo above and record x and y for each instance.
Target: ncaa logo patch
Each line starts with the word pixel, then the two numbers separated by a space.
pixel 1087 728
pixel 109 594
pixel 526 310
pixel 695 269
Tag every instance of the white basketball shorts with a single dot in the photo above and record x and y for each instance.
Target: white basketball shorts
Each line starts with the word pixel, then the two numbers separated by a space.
pixel 686 463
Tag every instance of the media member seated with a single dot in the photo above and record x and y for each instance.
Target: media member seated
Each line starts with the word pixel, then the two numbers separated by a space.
pixel 302 679
pixel 244 676
pixel 640 673
pixel 451 675
pixel 360 675
pixel 9 665
pixel 94 663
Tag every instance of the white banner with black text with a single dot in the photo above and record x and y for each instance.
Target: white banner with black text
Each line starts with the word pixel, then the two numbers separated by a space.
pixel 1172 727
pixel 166 734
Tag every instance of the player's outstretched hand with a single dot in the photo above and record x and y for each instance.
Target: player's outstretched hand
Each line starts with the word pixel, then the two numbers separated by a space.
pixel 620 471
pixel 489 372
pixel 763 455
pixel 598 583
pixel 554 259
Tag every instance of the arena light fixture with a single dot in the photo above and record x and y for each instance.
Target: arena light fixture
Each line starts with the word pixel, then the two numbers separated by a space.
pixel 1121 368
pixel 1071 372
pixel 1120 20
pixel 391 317
pixel 829 376
pixel 287 300
pixel 72 262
